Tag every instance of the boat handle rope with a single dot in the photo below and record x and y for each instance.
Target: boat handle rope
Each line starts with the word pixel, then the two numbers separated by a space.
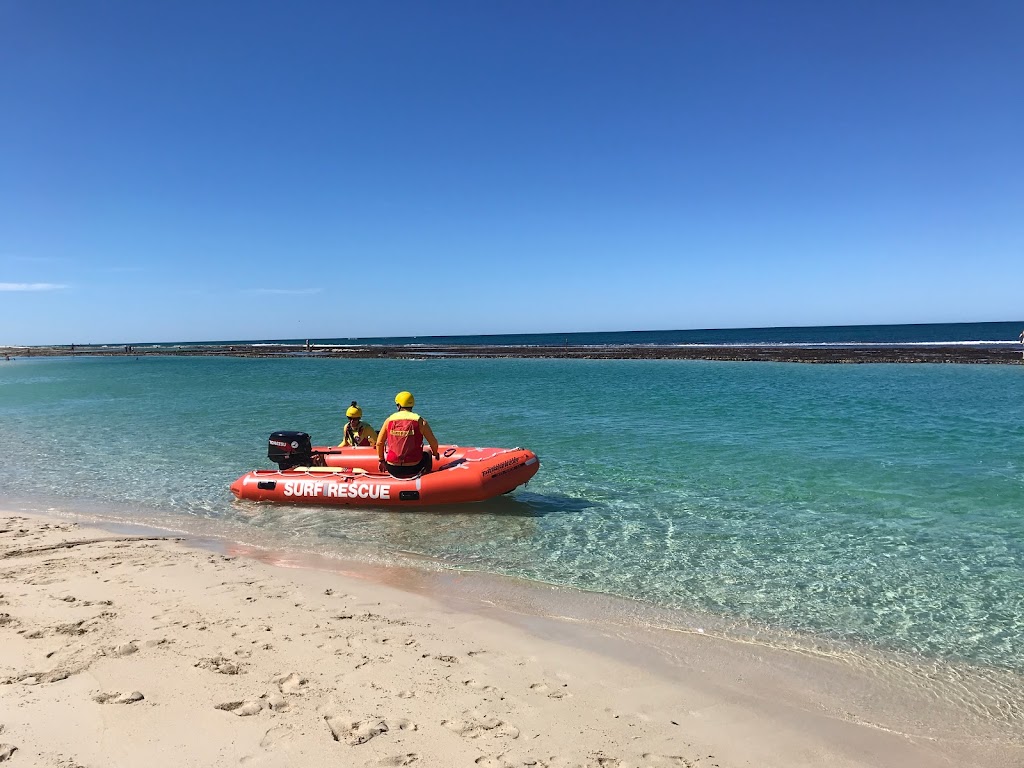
pixel 485 458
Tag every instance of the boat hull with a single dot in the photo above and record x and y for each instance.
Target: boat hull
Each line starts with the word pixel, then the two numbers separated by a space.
pixel 350 477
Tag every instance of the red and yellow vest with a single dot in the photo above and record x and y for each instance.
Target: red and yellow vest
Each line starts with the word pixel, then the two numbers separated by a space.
pixel 362 437
pixel 404 445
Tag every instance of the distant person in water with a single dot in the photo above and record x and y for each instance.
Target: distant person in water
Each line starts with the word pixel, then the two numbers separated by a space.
pixel 357 432
pixel 400 442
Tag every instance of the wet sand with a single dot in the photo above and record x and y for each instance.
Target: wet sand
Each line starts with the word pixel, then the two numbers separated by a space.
pixel 1002 354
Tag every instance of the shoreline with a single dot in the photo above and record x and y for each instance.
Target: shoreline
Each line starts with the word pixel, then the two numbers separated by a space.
pixel 960 354
pixel 454 677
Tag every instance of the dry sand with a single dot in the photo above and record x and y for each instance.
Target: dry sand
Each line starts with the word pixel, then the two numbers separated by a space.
pixel 119 650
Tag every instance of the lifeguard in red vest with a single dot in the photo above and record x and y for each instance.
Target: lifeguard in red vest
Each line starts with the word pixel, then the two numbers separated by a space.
pixel 400 440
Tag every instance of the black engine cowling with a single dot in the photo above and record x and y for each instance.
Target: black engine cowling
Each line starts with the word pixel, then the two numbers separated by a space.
pixel 290 449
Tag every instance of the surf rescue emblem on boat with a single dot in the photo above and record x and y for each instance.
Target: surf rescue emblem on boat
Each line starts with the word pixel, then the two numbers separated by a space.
pixel 297 488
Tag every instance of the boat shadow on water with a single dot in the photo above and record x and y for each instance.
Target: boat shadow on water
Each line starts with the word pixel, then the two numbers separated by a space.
pixel 521 504
pixel 540 504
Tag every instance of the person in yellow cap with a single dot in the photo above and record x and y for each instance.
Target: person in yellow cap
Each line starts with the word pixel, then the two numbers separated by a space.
pixel 357 432
pixel 400 442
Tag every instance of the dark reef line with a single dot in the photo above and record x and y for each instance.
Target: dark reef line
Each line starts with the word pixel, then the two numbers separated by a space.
pixel 1007 355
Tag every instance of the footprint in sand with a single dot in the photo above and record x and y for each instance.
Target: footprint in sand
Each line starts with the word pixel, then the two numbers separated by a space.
pixel 398 760
pixel 124 649
pixel 118 698
pixel 486 761
pixel 276 736
pixel 354 732
pixel 476 725
pixel 221 665
pixel 290 684
pixel 365 643
pixel 667 761
pixel 275 701
pixel 475 686
pixel 35 678
pixel 242 708
pixel 355 641
pixel 556 693
pixel 602 761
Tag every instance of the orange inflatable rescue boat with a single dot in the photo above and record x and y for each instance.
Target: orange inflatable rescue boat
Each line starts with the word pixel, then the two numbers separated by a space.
pixel 349 476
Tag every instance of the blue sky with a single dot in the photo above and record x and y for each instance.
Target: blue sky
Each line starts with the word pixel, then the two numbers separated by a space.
pixel 175 170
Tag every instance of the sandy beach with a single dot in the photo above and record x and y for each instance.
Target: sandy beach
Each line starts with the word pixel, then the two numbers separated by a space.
pixel 122 649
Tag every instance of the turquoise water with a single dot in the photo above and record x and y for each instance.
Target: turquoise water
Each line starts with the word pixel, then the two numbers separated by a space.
pixel 880 505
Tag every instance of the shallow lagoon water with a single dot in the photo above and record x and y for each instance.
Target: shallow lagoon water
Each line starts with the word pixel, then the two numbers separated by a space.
pixel 880 506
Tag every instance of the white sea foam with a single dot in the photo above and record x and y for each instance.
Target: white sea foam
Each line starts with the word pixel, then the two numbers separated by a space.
pixel 833 344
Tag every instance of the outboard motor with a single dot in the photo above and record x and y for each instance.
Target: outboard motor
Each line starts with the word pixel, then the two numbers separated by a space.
pixel 290 449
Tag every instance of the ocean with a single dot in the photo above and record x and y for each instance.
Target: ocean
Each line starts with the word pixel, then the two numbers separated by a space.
pixel 974 334
pixel 864 509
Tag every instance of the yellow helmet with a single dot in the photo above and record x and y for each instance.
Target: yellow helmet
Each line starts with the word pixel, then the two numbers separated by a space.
pixel 405 400
pixel 354 411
